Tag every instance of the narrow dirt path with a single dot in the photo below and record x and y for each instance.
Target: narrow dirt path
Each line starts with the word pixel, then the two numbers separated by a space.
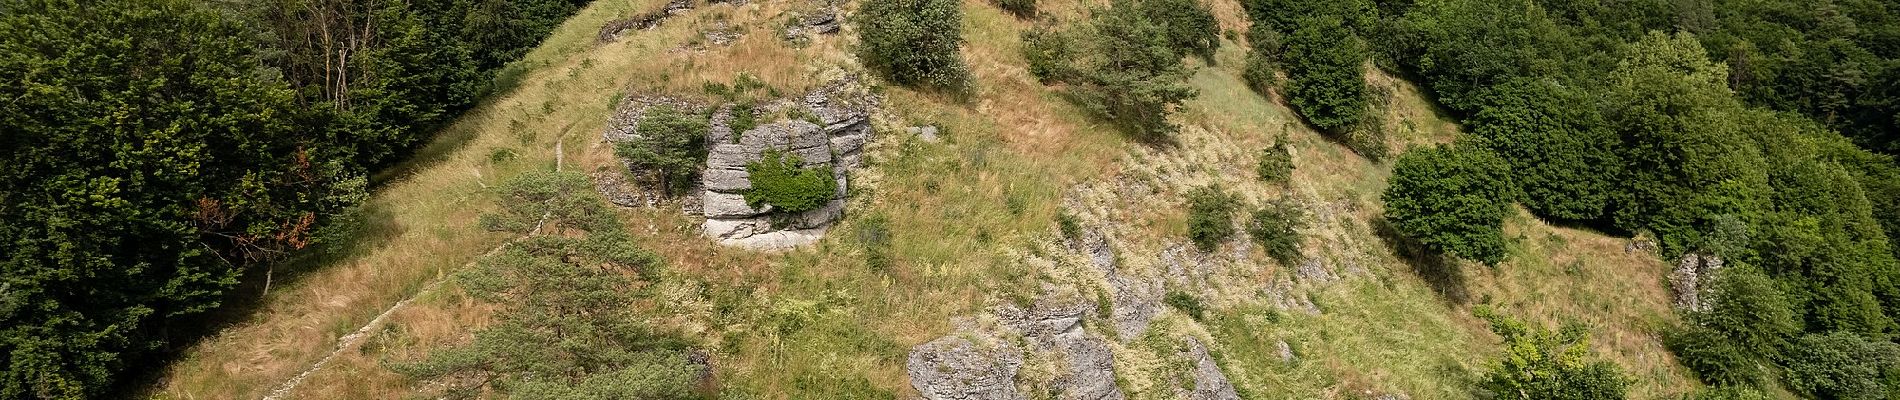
pixel 356 338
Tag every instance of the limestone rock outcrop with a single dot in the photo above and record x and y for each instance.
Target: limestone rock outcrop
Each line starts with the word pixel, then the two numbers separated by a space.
pixel 833 137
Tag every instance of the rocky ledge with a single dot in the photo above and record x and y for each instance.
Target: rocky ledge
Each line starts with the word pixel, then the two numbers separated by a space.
pixel 832 135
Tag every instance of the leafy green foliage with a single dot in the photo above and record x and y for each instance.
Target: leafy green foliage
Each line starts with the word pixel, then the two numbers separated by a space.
pixel 1189 25
pixel 1843 365
pixel 568 327
pixel 1452 199
pixel 1563 155
pixel 1607 121
pixel 1728 393
pixel 1748 323
pixel 1713 357
pixel 1276 163
pixel 1276 227
pixel 1267 46
pixel 914 42
pixel 159 149
pixel 1326 74
pixel 778 180
pixel 669 146
pixel 1211 216
pixel 1186 304
pixel 1121 66
pixel 146 166
pixel 1539 364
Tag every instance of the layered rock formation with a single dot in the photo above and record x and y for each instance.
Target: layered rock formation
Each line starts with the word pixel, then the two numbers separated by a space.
pixel 826 129
pixel 832 137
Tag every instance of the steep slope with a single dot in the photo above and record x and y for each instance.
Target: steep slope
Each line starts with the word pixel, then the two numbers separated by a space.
pixel 945 231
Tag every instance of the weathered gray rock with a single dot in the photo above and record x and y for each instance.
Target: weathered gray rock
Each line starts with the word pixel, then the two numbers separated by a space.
pixel 1136 301
pixel 1209 382
pixel 1286 352
pixel 1091 368
pixel 1312 271
pixel 927 133
pixel 716 205
pixel 1054 326
pixel 954 367
pixel 1690 280
pixel 834 140
pixel 1045 319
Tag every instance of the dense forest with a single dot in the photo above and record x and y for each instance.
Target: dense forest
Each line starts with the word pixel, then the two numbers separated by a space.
pixel 1717 128
pixel 155 150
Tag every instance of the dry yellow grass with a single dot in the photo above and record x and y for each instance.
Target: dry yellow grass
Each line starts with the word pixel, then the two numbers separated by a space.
pixel 960 215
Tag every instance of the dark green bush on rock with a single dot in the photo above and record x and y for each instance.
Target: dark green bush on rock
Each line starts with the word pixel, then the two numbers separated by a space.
pixel 669 147
pixel 778 180
pixel 1452 199
pixel 914 42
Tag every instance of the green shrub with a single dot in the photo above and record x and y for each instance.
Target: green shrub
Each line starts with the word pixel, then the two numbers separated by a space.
pixel 1019 8
pixel 1267 47
pixel 1211 216
pixel 1748 307
pixel 778 180
pixel 1189 24
pixel 1541 365
pixel 1727 393
pixel 669 146
pixel 1326 74
pixel 1069 225
pixel 1186 303
pixel 1714 358
pixel 1276 163
pixel 1276 227
pixel 914 42
pixel 1452 199
pixel 1843 365
pixel 1120 67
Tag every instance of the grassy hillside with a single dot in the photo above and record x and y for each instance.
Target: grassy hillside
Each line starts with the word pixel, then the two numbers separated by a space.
pixel 961 216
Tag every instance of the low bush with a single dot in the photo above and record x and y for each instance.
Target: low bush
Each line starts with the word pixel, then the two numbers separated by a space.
pixel 777 180
pixel 1211 216
pixel 914 42
pixel 564 327
pixel 1186 303
pixel 669 147
pixel 1121 67
pixel 1714 358
pixel 1276 163
pixel 1276 227
pixel 1544 365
